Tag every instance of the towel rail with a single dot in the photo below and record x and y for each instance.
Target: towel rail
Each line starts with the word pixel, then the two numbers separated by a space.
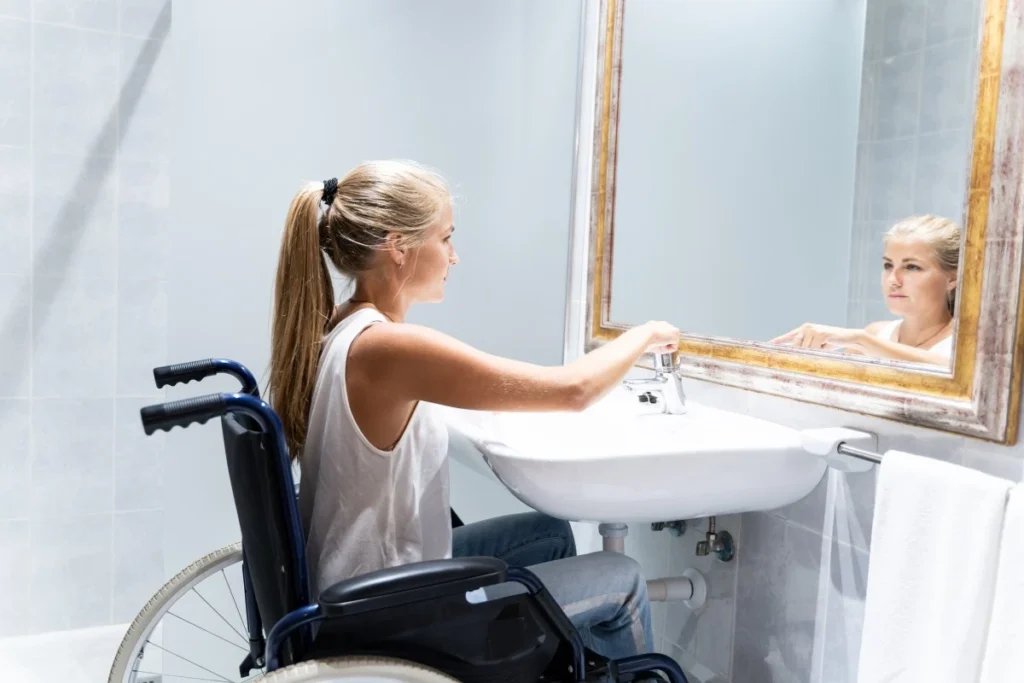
pixel 845 449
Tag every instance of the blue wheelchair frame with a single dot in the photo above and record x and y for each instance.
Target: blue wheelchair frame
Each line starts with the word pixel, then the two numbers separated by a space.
pixel 300 621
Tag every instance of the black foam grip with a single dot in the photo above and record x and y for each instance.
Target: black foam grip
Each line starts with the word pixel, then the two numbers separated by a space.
pixel 182 413
pixel 184 372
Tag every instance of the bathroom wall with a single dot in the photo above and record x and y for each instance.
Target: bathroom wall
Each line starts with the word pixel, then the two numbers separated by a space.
pixel 83 185
pixel 916 125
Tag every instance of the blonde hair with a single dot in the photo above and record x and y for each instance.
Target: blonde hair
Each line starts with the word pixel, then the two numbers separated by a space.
pixel 942 235
pixel 374 201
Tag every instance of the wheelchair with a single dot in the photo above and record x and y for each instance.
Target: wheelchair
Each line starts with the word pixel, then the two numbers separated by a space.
pixel 424 622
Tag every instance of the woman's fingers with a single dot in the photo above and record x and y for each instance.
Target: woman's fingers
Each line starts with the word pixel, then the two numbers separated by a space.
pixel 788 337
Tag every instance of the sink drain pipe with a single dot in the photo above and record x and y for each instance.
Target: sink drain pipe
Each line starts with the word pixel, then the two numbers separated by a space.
pixel 691 587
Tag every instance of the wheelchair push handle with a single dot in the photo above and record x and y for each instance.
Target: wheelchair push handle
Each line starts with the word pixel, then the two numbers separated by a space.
pixel 196 370
pixel 182 413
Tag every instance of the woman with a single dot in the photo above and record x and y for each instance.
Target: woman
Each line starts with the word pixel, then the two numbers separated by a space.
pixel 919 278
pixel 354 385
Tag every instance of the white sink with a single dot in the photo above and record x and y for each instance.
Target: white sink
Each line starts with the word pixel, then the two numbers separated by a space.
pixel 618 462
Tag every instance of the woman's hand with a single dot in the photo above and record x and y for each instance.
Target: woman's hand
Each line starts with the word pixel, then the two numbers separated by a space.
pixel 664 337
pixel 814 336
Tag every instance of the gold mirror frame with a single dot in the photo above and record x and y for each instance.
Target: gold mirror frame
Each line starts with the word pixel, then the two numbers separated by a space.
pixel 981 396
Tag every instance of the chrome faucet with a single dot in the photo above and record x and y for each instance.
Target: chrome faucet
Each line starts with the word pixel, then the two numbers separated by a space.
pixel 665 388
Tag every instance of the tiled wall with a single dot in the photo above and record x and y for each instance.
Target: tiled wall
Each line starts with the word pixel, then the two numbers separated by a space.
pixel 914 140
pixel 84 155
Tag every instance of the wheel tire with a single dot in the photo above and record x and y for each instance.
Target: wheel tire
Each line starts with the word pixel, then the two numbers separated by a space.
pixel 363 667
pixel 149 616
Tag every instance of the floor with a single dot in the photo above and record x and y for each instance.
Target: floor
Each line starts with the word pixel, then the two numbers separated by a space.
pixel 81 656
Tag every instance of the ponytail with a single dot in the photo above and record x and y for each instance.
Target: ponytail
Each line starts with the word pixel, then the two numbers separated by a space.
pixel 303 302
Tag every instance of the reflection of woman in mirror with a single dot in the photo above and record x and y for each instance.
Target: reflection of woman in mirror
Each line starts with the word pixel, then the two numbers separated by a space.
pixel 919 276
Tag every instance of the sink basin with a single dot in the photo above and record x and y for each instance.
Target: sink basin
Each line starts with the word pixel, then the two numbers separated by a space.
pixel 619 462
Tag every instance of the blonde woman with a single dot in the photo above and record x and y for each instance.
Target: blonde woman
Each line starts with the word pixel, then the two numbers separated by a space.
pixel 354 385
pixel 919 280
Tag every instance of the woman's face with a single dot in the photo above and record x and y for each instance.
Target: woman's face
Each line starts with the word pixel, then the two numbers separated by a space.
pixel 913 282
pixel 430 261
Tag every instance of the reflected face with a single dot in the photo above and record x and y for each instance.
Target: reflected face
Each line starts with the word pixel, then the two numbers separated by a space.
pixel 432 260
pixel 913 281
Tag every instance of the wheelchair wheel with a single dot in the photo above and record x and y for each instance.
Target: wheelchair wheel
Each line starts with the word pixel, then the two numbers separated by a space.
pixel 362 669
pixel 193 628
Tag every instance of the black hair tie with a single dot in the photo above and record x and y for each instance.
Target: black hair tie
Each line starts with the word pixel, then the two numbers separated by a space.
pixel 330 189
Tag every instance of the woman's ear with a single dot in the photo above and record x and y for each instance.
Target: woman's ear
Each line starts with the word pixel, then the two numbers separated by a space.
pixel 395 252
pixel 951 284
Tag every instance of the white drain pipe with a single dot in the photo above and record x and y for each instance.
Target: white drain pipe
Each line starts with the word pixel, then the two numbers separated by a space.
pixel 691 587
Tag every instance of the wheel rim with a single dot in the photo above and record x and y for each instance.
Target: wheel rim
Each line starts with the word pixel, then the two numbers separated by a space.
pixel 198 632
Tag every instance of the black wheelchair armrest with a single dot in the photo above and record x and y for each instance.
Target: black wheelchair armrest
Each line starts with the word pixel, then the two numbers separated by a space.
pixel 408 583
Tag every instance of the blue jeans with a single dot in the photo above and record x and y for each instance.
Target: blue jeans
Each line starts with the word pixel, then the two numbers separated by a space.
pixel 603 594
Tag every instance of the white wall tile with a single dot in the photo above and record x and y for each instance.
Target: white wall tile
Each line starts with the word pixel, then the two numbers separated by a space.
pixel 74 233
pixel 139 17
pixel 74 89
pixel 15 228
pixel 71 560
pixel 776 601
pixel 15 335
pixel 73 333
pixel 844 618
pixel 143 220
pixel 15 71
pixel 15 573
pixel 73 456
pixel 141 335
pixel 15 458
pixel 138 459
pixel 95 14
pixel 145 104
pixel 138 560
pixel 902 26
pixel 20 9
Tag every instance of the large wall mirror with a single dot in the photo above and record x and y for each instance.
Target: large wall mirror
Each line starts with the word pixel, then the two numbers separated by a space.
pixel 825 196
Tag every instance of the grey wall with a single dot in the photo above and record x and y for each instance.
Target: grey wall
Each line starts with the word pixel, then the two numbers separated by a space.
pixel 83 185
pixel 916 129
pixel 735 164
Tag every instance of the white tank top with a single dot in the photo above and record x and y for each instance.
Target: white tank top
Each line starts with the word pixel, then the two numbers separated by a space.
pixel 362 508
pixel 890 330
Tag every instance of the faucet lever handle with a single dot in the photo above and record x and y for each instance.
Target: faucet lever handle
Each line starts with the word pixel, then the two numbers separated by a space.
pixel 664 362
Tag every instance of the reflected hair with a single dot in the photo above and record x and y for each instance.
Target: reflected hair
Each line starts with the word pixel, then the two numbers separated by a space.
pixel 942 235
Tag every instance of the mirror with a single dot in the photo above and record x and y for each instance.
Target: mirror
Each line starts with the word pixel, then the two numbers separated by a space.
pixel 810 190
pixel 772 154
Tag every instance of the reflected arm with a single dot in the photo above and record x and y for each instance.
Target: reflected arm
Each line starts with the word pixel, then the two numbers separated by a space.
pixel 872 345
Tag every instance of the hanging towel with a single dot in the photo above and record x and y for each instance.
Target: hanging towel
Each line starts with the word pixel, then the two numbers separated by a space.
pixel 931 580
pixel 1004 652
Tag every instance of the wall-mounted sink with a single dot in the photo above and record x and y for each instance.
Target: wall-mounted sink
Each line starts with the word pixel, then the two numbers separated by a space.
pixel 619 462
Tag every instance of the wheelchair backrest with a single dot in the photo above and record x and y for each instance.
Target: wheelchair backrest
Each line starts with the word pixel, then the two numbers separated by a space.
pixel 256 484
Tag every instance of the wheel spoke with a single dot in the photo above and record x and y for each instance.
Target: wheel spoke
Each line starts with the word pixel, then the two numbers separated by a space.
pixel 241 621
pixel 186 659
pixel 206 630
pixel 222 618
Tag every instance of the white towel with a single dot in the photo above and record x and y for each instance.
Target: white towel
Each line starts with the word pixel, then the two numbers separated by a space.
pixel 934 548
pixel 1004 653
